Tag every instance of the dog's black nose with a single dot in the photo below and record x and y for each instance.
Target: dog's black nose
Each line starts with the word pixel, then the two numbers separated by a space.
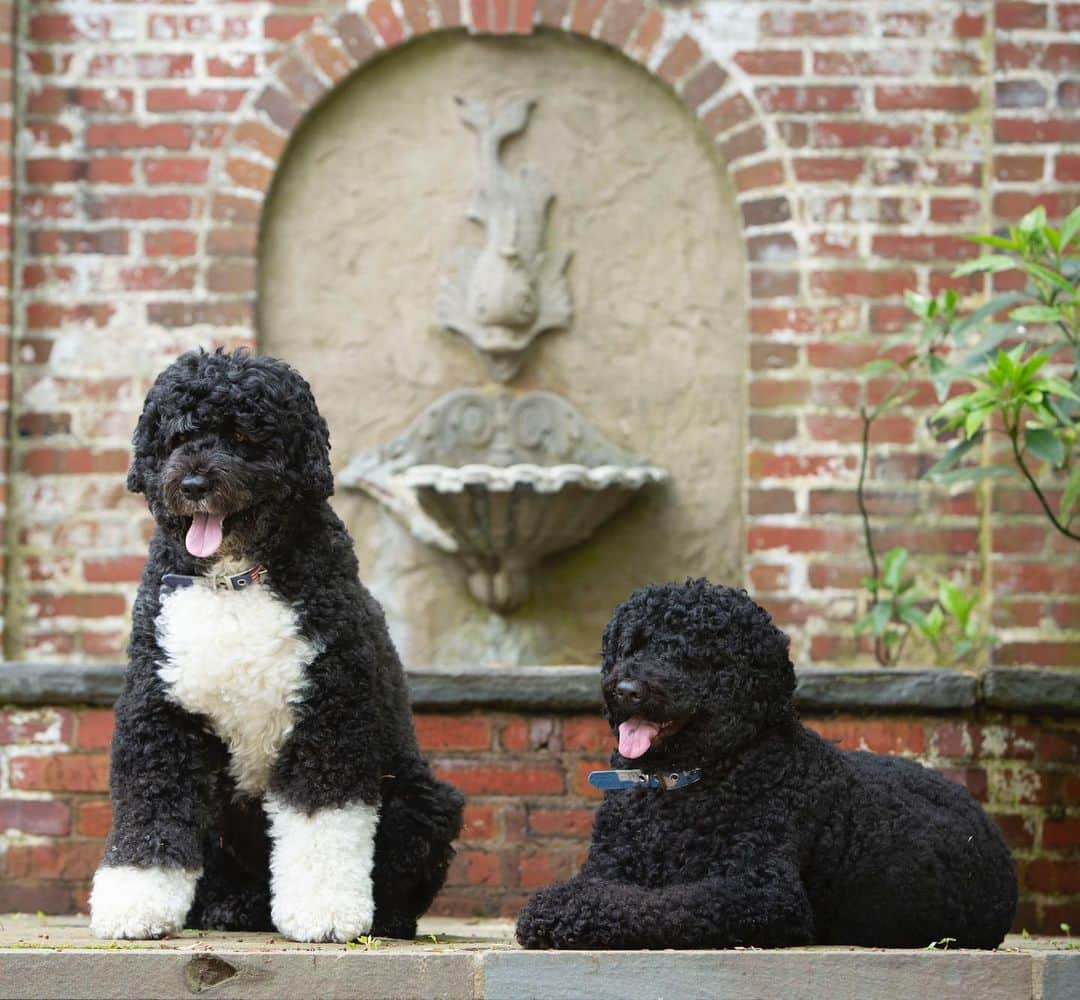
pixel 195 487
pixel 629 691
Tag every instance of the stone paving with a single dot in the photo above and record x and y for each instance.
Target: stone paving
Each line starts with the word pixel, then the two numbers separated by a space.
pixel 460 958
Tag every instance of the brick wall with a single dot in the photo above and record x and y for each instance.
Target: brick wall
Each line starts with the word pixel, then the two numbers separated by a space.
pixel 529 812
pixel 863 139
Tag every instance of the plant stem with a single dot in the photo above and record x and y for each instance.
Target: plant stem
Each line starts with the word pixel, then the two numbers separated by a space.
pixel 860 497
pixel 881 652
pixel 1013 433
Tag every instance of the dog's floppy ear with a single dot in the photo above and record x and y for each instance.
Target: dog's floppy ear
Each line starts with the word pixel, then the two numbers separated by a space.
pixel 145 432
pixel 318 476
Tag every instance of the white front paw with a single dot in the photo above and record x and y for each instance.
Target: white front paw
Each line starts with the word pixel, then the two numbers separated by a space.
pixel 320 871
pixel 305 911
pixel 129 902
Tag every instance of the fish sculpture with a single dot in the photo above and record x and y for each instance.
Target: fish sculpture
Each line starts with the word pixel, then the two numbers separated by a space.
pixel 504 294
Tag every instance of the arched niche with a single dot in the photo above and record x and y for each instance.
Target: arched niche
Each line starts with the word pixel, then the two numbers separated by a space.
pixel 366 210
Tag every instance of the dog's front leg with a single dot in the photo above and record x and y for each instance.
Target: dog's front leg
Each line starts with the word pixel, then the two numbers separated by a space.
pixel 162 803
pixel 323 808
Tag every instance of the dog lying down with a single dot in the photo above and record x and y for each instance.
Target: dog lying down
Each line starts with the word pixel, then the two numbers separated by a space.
pixel 265 770
pixel 728 823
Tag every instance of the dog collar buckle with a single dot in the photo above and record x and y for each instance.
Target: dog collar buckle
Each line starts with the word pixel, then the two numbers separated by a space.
pixel 241 581
pixel 619 780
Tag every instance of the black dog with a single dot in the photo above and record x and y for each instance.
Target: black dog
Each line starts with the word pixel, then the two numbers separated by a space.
pixel 766 834
pixel 265 769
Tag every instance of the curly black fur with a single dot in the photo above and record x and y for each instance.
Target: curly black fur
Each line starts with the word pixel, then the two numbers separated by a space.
pixel 787 839
pixel 251 426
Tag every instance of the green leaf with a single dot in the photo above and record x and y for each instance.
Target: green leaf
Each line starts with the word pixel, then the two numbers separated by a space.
pixel 998 242
pixel 1038 271
pixel 912 615
pixel 991 263
pixel 1035 314
pixel 921 305
pixel 879 366
pixel 1070 495
pixel 975 419
pixel 1045 444
pixel 985 311
pixel 932 623
pixel 1070 227
pixel 973 474
pixel 893 567
pixel 950 458
pixel 1034 220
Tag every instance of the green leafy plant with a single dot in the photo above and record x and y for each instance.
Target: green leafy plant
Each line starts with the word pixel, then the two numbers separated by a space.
pixel 1017 376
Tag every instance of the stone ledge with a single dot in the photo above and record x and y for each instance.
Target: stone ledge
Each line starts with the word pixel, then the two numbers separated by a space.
pixel 467 959
pixel 576 688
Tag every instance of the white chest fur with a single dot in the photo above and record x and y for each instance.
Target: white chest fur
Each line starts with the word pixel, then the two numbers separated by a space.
pixel 236 657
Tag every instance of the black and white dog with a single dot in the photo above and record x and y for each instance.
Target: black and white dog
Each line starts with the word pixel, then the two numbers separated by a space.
pixel 265 769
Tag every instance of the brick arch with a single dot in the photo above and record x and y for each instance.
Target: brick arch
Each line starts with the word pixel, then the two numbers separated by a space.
pixel 328 53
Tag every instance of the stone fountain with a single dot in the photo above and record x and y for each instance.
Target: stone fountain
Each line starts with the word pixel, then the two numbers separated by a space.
pixel 497 477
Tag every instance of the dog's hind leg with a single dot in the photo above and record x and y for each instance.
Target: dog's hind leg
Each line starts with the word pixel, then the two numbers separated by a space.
pixel 420 817
pixel 234 891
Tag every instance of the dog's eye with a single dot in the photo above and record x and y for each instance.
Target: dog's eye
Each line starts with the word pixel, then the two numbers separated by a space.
pixel 240 438
pixel 183 438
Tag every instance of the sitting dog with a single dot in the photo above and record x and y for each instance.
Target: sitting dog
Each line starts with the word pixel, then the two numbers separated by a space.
pixel 728 823
pixel 265 769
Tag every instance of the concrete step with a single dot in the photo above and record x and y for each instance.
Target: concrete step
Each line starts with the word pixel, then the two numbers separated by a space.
pixel 57 957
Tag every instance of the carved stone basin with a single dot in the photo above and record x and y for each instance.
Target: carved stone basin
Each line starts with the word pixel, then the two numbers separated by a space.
pixel 501 480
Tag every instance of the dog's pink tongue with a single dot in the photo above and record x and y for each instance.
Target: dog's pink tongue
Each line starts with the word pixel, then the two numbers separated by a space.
pixel 204 535
pixel 636 736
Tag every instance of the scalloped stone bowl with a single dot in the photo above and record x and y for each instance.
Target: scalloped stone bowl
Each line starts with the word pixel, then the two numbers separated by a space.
pixel 504 520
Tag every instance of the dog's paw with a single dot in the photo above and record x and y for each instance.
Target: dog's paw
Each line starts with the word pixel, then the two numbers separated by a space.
pixel 554 918
pixel 129 902
pixel 308 912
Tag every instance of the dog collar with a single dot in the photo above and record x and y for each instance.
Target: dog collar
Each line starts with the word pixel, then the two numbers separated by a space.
pixel 669 781
pixel 241 581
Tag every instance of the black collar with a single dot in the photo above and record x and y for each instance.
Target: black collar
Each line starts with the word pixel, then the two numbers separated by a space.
pixel 669 781
pixel 241 581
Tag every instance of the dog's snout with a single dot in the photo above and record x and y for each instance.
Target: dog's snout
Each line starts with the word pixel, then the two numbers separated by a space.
pixel 630 692
pixel 195 486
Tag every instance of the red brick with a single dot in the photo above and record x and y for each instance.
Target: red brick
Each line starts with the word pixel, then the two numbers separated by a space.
pixel 113 569
pixel 1050 876
pixel 386 23
pixel 916 98
pixel 561 822
pixel 799 24
pixel 845 134
pixel 759 175
pixel 42 817
pixel 797 538
pixel 587 733
pixel 972 778
pixel 619 21
pixel 845 169
pixel 73 461
pixel 503 779
pixel 1016 829
pixel 35 725
pixel 770 62
pixel 647 35
pixel 95 729
pixel 477 868
pixel 94 818
pixel 176 170
pixel 133 206
pixel 930 247
pixel 124 136
pixel 841 283
pixel 31 895
pixel 479 823
pixel 72 772
pixel 1013 15
pixel 453 732
pixel 75 860
pixel 169 243
pixel 681 58
pixel 808 99
pixel 543 868
pixel 1061 835
pixel 1028 130
pixel 585 14
pixel 283 27
pixel 891 736
pixel 582 770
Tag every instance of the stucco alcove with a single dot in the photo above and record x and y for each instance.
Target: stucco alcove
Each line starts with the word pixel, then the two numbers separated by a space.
pixel 366 210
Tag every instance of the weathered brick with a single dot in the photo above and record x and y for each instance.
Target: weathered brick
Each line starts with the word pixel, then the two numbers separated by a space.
pixel 453 732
